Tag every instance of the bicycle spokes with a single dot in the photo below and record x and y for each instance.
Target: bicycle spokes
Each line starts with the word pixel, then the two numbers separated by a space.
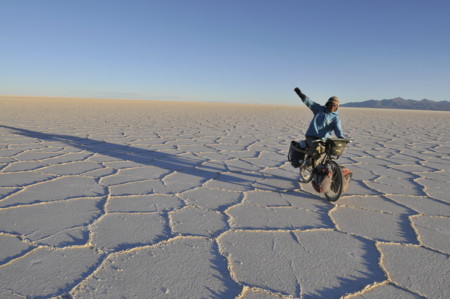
pixel 336 184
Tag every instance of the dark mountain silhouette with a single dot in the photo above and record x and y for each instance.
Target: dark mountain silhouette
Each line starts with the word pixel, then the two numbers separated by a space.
pixel 400 103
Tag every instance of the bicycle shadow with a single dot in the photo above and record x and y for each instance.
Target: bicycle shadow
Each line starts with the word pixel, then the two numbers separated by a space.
pixel 245 179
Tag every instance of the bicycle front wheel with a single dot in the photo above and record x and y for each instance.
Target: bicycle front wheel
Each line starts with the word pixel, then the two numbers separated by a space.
pixel 306 174
pixel 336 182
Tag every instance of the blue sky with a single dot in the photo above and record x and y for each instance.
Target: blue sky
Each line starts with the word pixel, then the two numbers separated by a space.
pixel 253 51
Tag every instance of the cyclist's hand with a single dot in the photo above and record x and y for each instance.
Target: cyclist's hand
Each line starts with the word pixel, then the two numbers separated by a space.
pixel 300 93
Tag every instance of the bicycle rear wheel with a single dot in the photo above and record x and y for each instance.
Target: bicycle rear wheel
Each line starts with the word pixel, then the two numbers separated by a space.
pixel 336 182
pixel 306 174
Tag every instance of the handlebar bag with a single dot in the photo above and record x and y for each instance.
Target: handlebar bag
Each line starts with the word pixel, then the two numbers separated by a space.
pixel 336 146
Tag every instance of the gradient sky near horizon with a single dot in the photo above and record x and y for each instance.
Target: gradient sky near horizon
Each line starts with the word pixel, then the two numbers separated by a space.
pixel 251 51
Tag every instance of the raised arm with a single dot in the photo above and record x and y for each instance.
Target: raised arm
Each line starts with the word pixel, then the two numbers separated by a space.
pixel 300 93
pixel 315 108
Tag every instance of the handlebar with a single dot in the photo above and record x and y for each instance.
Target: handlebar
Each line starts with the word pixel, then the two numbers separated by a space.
pixel 340 139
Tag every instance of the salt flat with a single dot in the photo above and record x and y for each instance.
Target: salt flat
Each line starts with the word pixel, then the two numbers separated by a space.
pixel 135 199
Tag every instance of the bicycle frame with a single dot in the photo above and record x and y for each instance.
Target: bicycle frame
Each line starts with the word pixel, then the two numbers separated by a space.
pixel 317 158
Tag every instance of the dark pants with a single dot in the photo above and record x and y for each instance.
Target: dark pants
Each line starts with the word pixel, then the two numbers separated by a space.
pixel 311 144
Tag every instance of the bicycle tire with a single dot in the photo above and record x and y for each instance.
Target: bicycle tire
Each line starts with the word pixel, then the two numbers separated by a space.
pixel 306 174
pixel 336 182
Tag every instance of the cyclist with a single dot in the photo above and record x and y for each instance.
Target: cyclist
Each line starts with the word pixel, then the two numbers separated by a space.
pixel 325 121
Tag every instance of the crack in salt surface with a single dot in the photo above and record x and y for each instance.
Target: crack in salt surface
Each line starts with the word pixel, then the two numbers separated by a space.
pixel 236 155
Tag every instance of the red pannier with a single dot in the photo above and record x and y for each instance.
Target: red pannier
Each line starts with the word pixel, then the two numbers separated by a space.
pixel 322 179
pixel 346 177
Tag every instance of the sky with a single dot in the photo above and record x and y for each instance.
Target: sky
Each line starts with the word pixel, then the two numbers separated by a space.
pixel 246 51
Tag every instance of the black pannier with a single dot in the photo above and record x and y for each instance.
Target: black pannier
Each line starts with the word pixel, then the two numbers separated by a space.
pixel 296 153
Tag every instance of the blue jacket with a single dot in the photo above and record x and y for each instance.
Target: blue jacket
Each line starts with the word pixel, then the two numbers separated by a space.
pixel 324 122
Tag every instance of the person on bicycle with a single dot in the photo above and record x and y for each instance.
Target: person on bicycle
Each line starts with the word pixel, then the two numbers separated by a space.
pixel 325 121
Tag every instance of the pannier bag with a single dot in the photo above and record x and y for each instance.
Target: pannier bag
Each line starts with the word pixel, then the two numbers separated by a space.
pixel 322 179
pixel 336 146
pixel 346 177
pixel 296 153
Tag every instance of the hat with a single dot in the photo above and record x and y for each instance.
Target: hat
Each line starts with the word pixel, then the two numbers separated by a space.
pixel 333 100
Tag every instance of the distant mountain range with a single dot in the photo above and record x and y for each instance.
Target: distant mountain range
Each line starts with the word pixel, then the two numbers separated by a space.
pixel 400 103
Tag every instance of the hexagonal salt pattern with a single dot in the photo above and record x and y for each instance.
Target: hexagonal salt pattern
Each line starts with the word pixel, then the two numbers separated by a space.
pixel 112 199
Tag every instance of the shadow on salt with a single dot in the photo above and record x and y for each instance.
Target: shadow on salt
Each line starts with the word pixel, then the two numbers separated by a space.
pixel 236 177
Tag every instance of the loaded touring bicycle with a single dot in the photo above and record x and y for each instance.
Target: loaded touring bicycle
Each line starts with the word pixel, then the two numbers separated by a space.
pixel 320 168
